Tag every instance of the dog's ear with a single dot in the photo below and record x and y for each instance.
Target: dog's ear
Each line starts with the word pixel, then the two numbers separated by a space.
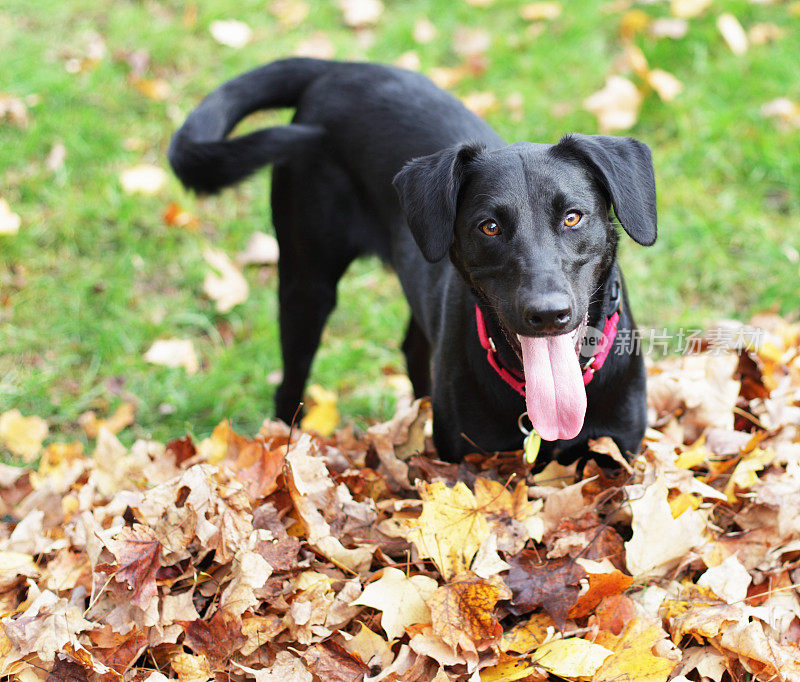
pixel 428 189
pixel 624 168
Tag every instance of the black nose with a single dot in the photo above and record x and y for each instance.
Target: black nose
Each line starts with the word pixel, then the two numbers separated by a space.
pixel 548 314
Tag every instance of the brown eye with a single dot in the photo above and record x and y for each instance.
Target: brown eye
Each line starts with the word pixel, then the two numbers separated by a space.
pixel 572 218
pixel 490 228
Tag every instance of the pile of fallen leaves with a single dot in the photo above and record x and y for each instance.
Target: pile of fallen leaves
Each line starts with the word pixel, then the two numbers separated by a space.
pixel 293 557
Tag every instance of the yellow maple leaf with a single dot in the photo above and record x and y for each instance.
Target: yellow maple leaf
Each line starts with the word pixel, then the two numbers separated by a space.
pixel 571 657
pixel 633 657
pixel 322 416
pixel 451 527
pixel 530 635
pixel 402 599
pixel 22 435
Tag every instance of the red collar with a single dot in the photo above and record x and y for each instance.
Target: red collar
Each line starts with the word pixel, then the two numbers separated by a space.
pixel 516 382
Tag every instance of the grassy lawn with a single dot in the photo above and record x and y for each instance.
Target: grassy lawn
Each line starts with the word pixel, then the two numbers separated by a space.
pixel 94 275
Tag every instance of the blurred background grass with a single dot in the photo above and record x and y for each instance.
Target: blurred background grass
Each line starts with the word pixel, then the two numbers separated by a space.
pixel 95 275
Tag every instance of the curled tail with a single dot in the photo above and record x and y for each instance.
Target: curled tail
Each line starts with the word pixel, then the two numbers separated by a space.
pixel 199 153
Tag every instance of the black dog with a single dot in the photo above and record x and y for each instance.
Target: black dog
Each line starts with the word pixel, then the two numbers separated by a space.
pixel 527 228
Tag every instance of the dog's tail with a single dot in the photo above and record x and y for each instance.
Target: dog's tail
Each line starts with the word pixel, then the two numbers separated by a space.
pixel 206 162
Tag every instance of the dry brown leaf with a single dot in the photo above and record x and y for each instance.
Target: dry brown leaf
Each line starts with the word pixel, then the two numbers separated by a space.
pixel 462 612
pixel 659 541
pixel 138 554
pixel 331 661
pixel 47 625
pixel 191 668
pixel 552 584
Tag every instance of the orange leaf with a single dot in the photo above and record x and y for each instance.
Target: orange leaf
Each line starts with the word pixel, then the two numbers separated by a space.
pixel 601 585
pixel 462 612
pixel 613 613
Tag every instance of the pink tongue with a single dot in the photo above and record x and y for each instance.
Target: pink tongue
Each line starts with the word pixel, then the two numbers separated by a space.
pixel 554 391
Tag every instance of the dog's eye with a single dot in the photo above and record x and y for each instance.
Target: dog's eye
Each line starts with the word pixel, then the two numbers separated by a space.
pixel 572 218
pixel 490 228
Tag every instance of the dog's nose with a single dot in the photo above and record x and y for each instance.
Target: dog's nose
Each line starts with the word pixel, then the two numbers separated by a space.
pixel 548 314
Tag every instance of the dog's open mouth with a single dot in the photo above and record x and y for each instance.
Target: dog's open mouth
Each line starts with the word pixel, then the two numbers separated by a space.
pixel 555 396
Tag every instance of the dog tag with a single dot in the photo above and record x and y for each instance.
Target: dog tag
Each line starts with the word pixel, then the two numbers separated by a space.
pixel 531 445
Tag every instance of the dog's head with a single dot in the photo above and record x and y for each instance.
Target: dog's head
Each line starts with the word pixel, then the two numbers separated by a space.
pixel 530 225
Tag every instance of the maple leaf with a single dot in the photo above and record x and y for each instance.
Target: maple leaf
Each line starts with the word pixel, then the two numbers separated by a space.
pixel 552 584
pixel 462 612
pixel 370 647
pixel 633 655
pixel 613 613
pixel 729 580
pixel 46 626
pixel 604 580
pixel 118 651
pixel 217 639
pixel 258 468
pixel 138 553
pixel 286 668
pixel 659 541
pixel 191 668
pixel 403 600
pixel 314 496
pixel 525 637
pixel 331 661
pixel 451 527
pixel 259 630
pixel 571 657
pixel 511 515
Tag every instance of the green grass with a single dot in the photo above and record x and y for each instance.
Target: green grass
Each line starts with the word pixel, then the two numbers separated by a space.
pixel 95 276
